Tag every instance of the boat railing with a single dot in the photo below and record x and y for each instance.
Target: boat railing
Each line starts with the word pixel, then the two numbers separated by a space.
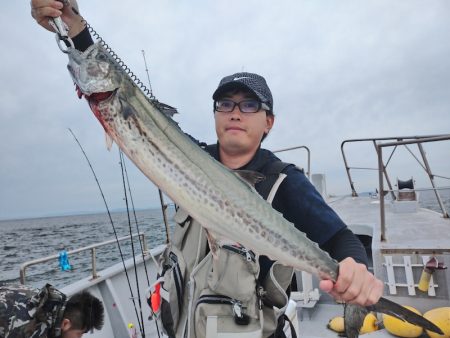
pixel 394 143
pixel 92 248
pixel 308 155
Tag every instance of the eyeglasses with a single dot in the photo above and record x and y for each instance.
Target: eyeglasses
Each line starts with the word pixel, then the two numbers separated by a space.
pixel 245 106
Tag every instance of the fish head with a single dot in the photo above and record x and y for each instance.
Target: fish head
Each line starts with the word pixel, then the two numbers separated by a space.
pixel 94 70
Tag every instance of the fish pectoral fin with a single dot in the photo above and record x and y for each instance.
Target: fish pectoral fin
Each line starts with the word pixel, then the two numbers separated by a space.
pixel 109 141
pixel 393 309
pixel 250 176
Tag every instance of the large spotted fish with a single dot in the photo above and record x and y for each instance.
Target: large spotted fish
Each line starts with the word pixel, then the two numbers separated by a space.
pixel 215 196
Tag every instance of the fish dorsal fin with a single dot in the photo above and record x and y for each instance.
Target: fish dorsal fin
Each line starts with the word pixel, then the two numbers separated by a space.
pixel 109 141
pixel 250 176
pixel 169 111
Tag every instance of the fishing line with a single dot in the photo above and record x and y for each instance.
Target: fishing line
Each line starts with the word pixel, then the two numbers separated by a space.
pixel 131 237
pixel 122 161
pixel 112 223
pixel 161 198
pixel 135 217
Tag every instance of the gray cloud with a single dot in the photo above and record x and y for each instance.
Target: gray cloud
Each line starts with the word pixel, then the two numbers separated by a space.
pixel 337 70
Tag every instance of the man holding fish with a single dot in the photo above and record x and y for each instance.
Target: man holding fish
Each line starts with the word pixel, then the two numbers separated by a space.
pixel 244 116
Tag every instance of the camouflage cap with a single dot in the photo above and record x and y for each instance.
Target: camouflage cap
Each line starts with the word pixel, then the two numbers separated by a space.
pixel 29 312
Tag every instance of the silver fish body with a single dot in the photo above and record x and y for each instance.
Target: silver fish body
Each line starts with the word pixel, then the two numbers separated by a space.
pixel 215 196
pixel 211 193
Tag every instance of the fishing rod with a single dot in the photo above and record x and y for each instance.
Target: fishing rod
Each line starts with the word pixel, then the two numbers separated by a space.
pixel 114 229
pixel 136 221
pixel 124 171
pixel 131 237
pixel 161 197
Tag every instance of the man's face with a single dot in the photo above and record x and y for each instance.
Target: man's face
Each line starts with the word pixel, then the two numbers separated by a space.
pixel 240 133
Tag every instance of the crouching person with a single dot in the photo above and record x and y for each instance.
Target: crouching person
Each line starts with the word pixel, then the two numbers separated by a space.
pixel 47 313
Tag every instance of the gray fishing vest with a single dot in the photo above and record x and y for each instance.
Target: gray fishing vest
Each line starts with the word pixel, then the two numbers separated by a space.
pixel 221 297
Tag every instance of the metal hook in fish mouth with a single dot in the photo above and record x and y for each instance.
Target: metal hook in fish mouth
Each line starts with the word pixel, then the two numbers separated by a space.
pixel 62 38
pixel 64 44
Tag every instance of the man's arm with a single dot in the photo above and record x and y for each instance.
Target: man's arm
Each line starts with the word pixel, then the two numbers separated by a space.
pixel 302 205
pixel 83 40
pixel 43 10
pixel 346 244
pixel 355 283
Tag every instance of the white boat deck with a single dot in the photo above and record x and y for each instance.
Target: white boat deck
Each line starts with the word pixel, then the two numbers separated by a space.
pixel 404 230
pixel 413 235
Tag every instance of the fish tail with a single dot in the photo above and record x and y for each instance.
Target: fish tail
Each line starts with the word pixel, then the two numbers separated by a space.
pixel 393 309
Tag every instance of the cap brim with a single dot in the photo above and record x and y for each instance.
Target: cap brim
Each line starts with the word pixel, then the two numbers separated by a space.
pixel 229 86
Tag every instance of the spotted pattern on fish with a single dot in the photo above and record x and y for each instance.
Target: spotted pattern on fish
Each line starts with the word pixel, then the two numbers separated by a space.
pixel 209 192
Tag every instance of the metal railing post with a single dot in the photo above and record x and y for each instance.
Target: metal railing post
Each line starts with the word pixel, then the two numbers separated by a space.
pixel 308 156
pixel 388 181
pixel 144 241
pixel 22 275
pixel 381 192
pixel 347 169
pixel 94 263
pixel 431 177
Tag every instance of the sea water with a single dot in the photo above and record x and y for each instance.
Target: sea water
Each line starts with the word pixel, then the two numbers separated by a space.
pixel 28 239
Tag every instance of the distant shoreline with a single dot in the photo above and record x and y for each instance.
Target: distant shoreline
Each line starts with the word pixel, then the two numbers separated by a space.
pixel 77 213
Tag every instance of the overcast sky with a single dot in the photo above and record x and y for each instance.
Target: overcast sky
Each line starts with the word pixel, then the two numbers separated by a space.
pixel 337 70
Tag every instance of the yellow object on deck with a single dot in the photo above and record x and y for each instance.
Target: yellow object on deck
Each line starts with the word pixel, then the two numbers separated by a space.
pixel 370 324
pixel 401 328
pixel 440 317
pixel 424 282
pixel 337 324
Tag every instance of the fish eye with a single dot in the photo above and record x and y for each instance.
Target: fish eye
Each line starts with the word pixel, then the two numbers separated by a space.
pixel 101 56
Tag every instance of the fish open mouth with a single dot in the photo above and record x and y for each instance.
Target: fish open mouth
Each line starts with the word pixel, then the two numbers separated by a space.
pixel 96 98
